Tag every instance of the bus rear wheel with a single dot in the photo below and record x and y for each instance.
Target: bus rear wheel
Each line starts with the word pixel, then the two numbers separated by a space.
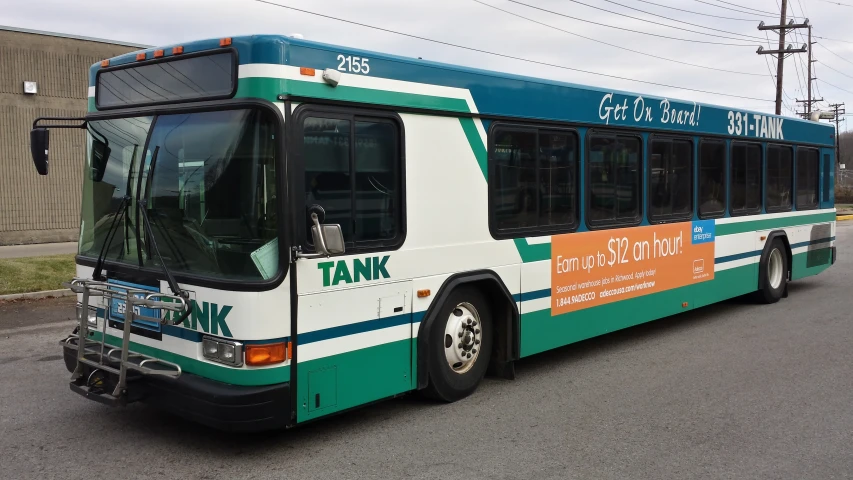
pixel 461 345
pixel 774 269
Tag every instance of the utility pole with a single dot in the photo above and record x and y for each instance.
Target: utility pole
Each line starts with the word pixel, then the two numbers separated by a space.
pixel 807 106
pixel 839 112
pixel 781 51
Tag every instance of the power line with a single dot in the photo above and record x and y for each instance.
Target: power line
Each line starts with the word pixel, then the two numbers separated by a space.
pixel 833 86
pixel 503 55
pixel 836 71
pixel 830 51
pixel 668 18
pixel 837 3
pixel 700 13
pixel 834 39
pixel 622 29
pixel 747 8
pixel 614 45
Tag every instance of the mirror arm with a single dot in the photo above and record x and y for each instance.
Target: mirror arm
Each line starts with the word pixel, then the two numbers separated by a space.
pixel 65 119
pixel 322 251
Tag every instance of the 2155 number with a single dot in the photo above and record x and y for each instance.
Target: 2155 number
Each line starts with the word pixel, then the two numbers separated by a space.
pixel 354 64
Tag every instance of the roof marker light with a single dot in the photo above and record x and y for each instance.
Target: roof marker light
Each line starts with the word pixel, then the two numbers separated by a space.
pixel 224 42
pixel 177 50
pixel 105 63
pixel 158 53
pixel 140 56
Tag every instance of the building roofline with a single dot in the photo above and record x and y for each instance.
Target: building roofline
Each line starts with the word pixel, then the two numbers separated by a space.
pixel 74 37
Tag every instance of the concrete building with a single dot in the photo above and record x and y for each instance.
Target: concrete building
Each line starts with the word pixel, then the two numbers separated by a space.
pixel 44 75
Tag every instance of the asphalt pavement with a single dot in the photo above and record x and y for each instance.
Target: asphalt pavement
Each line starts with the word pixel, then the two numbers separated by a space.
pixel 730 391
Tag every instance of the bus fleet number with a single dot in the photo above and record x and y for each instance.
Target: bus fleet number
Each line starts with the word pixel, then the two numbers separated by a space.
pixel 354 64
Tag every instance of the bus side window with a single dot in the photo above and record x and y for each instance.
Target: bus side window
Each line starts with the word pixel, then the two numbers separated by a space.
pixel 745 178
pixel 712 179
pixel 780 178
pixel 670 180
pixel 533 185
pixel 808 178
pixel 614 180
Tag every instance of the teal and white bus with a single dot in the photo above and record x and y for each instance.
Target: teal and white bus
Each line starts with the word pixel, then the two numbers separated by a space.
pixel 275 230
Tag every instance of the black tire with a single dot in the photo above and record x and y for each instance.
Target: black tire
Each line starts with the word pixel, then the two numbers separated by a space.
pixel 772 256
pixel 445 384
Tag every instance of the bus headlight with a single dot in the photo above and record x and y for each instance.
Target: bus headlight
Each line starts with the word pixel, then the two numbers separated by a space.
pixel 92 318
pixel 222 351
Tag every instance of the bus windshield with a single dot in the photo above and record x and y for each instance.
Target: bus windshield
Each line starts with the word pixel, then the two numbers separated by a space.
pixel 209 182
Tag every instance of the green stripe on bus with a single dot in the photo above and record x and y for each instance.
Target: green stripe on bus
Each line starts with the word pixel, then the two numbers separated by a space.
pixel 341 383
pixel 476 144
pixel 234 376
pixel 771 223
pixel 810 263
pixel 271 88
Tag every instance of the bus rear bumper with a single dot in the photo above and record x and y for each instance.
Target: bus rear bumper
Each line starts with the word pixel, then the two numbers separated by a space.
pixel 232 408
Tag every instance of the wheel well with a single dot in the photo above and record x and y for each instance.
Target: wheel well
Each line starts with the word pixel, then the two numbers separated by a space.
pixel 505 321
pixel 772 236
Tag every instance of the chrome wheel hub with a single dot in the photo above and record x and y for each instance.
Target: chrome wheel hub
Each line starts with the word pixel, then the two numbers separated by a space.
pixel 774 269
pixel 462 337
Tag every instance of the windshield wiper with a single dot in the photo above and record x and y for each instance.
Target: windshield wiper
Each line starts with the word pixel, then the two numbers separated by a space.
pixel 173 285
pixel 119 213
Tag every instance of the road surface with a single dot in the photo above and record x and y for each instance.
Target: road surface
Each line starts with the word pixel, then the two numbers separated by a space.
pixel 734 390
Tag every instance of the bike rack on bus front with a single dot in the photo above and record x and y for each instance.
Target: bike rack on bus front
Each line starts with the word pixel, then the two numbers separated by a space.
pixel 92 353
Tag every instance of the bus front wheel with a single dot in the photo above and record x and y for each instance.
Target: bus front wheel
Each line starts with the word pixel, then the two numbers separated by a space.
pixel 773 273
pixel 461 345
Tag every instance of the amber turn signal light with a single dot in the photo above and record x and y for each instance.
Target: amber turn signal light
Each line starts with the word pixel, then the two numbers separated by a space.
pixel 309 72
pixel 423 293
pixel 268 354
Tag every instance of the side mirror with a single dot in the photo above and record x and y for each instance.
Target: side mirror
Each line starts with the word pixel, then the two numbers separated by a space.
pixel 100 157
pixel 39 143
pixel 328 239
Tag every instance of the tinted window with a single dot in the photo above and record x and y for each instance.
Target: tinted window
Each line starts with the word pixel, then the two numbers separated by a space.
pixel 614 165
pixel 533 184
pixel 712 179
pixel 746 178
pixel 670 180
pixel 808 178
pixel 827 177
pixel 192 78
pixel 353 170
pixel 780 178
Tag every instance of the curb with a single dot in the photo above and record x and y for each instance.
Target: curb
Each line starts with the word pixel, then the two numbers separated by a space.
pixel 37 295
pixel 840 218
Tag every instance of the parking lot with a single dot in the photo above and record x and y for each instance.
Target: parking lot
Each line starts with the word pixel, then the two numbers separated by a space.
pixel 735 390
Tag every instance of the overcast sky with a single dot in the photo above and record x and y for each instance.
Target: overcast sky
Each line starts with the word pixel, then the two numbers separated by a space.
pixel 465 22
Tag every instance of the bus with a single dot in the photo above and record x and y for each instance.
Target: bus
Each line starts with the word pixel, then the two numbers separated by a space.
pixel 274 230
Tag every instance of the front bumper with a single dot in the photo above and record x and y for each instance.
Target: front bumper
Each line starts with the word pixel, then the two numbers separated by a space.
pixel 232 408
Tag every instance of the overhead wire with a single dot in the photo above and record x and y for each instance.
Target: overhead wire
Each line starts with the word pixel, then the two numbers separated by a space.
pixel 652 21
pixel 667 18
pixel 503 55
pixel 700 13
pixel 732 9
pixel 614 45
pixel 622 29
pixel 835 86
pixel 830 51
pixel 836 71
pixel 748 8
